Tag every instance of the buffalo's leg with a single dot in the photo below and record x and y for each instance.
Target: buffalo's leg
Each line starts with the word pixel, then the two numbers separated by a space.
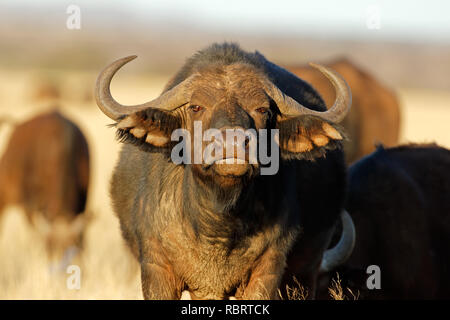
pixel 159 282
pixel 265 277
pixel 303 263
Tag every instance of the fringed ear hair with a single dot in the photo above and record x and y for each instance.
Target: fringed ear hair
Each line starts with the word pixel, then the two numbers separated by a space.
pixel 308 137
pixel 151 127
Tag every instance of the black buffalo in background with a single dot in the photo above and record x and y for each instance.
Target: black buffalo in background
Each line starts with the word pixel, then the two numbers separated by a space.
pixel 399 199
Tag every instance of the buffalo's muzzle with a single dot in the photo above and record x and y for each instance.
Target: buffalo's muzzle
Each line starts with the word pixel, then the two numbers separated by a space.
pixel 234 158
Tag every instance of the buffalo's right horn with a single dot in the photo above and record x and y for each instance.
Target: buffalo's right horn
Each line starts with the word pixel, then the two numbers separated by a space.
pixel 169 100
pixel 291 108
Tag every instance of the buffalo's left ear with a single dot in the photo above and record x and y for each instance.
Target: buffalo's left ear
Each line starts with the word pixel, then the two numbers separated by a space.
pixel 151 128
pixel 308 137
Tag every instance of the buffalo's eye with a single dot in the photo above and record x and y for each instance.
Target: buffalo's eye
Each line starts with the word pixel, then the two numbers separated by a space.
pixel 195 108
pixel 262 110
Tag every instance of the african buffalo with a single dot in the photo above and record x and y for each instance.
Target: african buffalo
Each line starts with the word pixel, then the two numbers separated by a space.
pixel 399 201
pixel 221 229
pixel 375 113
pixel 45 169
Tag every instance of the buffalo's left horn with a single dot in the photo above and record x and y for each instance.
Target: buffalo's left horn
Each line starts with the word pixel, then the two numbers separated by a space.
pixel 291 108
pixel 169 100
pixel 341 252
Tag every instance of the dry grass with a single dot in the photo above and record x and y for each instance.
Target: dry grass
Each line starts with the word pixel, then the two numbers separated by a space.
pixel 108 270
pixel 297 292
pixel 336 291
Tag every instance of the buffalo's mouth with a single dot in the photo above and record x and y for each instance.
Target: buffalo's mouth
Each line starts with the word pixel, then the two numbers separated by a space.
pixel 234 167
pixel 229 166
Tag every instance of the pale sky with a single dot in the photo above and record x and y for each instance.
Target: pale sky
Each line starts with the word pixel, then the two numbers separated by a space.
pixel 390 19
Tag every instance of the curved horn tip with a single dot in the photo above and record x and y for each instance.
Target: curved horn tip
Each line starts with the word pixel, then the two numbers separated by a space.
pixel 342 251
pixel 129 58
pixel 315 65
pixel 122 61
pixel 323 68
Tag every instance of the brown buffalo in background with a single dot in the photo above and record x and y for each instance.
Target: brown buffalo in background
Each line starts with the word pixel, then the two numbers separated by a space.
pixel 375 113
pixel 45 169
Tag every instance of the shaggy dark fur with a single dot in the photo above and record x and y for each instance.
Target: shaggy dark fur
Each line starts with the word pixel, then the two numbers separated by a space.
pixel 219 236
pixel 399 202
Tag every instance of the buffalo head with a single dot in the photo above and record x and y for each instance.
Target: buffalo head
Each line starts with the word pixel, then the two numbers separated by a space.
pixel 229 98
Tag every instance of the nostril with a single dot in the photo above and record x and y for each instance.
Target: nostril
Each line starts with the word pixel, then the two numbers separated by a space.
pixel 246 141
pixel 241 142
pixel 235 138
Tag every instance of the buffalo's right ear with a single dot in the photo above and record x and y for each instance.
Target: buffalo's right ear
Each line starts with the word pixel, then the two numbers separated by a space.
pixel 148 128
pixel 308 137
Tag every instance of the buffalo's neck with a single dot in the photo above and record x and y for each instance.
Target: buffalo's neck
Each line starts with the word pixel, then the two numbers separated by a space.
pixel 217 213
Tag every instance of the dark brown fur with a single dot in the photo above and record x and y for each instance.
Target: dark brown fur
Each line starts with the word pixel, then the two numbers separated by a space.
pixel 399 202
pixel 217 235
pixel 45 169
pixel 375 113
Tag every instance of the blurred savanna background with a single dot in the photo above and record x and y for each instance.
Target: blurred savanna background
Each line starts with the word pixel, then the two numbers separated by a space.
pixel 51 52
